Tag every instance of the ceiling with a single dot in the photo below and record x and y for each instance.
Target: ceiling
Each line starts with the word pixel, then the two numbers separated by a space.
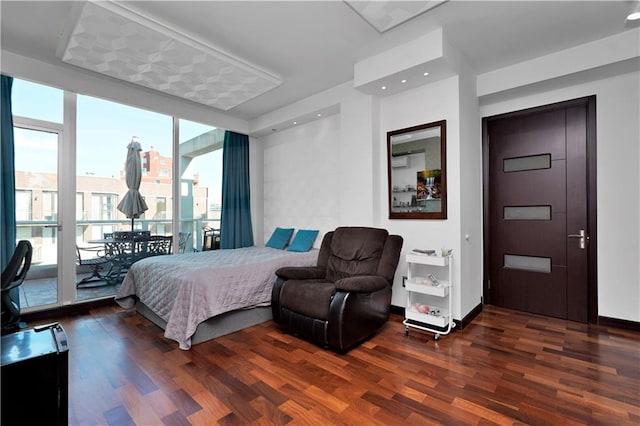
pixel 309 46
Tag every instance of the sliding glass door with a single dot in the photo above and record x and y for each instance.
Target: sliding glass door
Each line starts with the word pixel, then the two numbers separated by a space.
pixel 36 174
pixel 38 137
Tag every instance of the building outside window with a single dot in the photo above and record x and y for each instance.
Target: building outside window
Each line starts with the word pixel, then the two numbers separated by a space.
pixel 103 207
pixel 23 214
pixel 49 205
pixel 161 208
pixel 81 212
pixel 49 214
pixel 23 205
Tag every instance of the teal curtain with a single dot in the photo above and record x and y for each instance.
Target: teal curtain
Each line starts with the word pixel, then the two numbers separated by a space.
pixel 235 221
pixel 8 184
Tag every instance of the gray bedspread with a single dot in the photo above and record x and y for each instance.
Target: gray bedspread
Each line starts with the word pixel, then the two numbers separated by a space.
pixel 187 289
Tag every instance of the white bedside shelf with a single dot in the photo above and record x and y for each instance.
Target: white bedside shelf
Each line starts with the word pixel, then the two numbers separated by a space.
pixel 422 294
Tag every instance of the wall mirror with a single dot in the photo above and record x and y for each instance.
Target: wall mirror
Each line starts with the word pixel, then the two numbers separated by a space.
pixel 417 172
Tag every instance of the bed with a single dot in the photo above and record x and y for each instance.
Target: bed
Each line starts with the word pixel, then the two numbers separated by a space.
pixel 199 296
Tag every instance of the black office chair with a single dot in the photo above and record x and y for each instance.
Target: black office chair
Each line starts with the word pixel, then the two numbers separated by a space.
pixel 12 277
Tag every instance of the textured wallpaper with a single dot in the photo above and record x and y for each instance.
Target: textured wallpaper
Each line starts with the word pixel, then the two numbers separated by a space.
pixel 301 177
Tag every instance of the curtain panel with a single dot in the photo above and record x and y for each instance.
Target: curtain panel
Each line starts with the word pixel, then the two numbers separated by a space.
pixel 8 184
pixel 235 222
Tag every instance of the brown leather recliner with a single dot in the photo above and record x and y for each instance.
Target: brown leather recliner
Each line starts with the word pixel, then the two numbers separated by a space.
pixel 346 298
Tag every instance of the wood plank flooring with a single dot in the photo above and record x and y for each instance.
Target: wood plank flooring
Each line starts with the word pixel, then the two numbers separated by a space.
pixel 505 368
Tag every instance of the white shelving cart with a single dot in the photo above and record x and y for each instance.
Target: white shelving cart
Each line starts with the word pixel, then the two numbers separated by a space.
pixel 429 306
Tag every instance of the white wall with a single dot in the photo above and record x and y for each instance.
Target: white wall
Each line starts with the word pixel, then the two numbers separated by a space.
pixel 426 104
pixel 361 127
pixel 302 177
pixel 345 158
pixel 618 182
pixel 471 235
pixel 322 175
pixel 358 176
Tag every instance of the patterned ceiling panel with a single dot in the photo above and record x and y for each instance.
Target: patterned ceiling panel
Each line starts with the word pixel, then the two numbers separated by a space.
pixel 385 15
pixel 113 40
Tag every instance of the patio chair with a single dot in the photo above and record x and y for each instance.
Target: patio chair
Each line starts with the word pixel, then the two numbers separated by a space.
pixel 183 239
pixel 155 245
pixel 210 239
pixel 95 263
pixel 122 253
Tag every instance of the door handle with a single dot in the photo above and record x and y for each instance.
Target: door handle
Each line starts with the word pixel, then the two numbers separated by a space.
pixel 59 227
pixel 582 238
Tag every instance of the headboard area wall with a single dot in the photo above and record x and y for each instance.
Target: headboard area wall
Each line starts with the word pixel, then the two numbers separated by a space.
pixel 301 175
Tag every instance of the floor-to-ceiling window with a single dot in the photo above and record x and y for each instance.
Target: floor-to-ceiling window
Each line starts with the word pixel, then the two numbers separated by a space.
pixel 104 131
pixel 200 169
pixel 101 132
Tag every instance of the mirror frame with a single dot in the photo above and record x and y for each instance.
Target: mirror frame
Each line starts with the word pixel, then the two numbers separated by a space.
pixel 442 214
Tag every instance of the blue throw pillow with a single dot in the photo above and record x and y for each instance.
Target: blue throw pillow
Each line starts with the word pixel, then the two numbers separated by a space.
pixel 280 238
pixel 303 241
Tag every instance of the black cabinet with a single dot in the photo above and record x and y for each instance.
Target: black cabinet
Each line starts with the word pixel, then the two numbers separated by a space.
pixel 35 384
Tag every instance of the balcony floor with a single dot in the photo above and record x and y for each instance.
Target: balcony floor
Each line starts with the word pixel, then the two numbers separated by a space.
pixel 42 291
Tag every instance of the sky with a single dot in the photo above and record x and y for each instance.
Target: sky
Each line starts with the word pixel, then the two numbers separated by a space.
pixel 104 129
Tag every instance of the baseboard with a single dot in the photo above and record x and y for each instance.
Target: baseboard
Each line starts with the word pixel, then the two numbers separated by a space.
pixel 461 324
pixel 75 309
pixel 397 310
pixel 619 323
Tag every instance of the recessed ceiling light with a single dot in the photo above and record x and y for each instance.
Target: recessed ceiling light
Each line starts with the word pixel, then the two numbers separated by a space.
pixel 425 74
pixel 295 122
pixel 403 81
pixel 634 14
pixel 319 115
pixel 384 87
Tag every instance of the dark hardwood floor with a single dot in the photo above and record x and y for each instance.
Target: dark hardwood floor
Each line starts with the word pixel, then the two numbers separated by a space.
pixel 504 368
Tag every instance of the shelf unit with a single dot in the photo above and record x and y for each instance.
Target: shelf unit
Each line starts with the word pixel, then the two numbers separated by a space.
pixel 423 299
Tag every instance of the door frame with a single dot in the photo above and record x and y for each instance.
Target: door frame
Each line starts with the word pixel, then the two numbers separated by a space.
pixel 592 271
pixel 56 129
pixel 66 173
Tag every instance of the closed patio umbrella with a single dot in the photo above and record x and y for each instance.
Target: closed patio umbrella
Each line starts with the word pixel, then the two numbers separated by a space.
pixel 132 204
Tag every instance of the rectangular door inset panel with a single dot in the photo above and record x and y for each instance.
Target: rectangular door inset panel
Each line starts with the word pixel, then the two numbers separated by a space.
pixel 528 263
pixel 531 162
pixel 527 212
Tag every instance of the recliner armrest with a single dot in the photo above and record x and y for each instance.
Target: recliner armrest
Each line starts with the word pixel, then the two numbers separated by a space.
pixel 361 283
pixel 301 272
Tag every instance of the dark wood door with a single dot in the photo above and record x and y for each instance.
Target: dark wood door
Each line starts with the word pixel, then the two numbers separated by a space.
pixel 537 208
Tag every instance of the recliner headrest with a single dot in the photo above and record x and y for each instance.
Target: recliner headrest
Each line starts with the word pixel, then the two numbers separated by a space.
pixel 355 251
